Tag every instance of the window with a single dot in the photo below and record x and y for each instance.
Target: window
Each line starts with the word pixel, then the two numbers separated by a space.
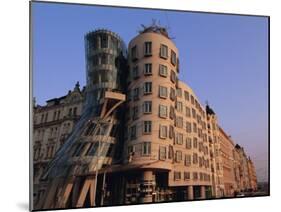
pixel 173 58
pixel 194 127
pixel 136 94
pixel 218 166
pixel 135 72
pixel 193 113
pixel 135 112
pixel 179 106
pixel 46 117
pixel 200 133
pixel 96 60
pixel 54 115
pixel 200 146
pixel 195 158
pixel 173 76
pixel 163 131
pixel 179 122
pixel 192 99
pixel 147 69
pixel 58 116
pixel 163 70
pixel 146 148
pixel 172 94
pixel 172 112
pixel 179 138
pixel 187 112
pixel 198 119
pixel 134 53
pixel 147 48
pixel 164 51
pixel 179 92
pixel 188 127
pixel 104 41
pixel 196 104
pixel 187 160
pixel 188 143
pixel 201 176
pixel 163 92
pixel 204 125
pixel 178 156
pixel 195 176
pixel 162 153
pixel 147 88
pixel 133 132
pixel 186 175
pixel 147 127
pixel 171 132
pixel 75 111
pixel 200 162
pixel 195 143
pixel 147 107
pixel 163 111
pixel 92 149
pixel 186 95
pixel 177 175
pixel 104 59
pixel 204 137
pixel 171 152
pixel 42 118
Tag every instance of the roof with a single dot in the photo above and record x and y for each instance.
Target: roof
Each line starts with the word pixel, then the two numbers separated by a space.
pixel 56 99
pixel 155 28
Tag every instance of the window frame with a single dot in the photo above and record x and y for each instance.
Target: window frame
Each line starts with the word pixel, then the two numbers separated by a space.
pixel 164 49
pixel 166 111
pixel 173 58
pixel 147 104
pixel 145 92
pixel 161 88
pixel 149 53
pixel 161 72
pixel 147 127
pixel 178 156
pixel 162 154
pixel 145 70
pixel 147 145
pixel 163 128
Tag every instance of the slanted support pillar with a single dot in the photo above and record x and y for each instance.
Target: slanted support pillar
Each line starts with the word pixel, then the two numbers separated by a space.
pixel 148 182
pixel 190 195
pixel 203 192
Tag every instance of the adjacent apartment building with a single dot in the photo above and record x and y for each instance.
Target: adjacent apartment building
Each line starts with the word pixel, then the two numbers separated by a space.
pixel 173 147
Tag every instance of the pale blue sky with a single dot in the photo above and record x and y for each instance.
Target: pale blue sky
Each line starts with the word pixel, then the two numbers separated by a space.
pixel 224 58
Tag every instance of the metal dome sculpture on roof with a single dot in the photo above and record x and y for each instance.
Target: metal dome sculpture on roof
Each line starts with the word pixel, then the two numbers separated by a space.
pixel 156 28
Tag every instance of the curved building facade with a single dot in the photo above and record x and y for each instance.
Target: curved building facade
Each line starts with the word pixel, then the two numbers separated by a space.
pixel 166 140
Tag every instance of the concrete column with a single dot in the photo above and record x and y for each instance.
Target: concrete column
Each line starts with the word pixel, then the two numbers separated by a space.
pixel 190 195
pixel 148 179
pixel 203 192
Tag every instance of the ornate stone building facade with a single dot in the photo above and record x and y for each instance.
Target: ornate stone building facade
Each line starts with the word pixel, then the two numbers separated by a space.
pixel 52 124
